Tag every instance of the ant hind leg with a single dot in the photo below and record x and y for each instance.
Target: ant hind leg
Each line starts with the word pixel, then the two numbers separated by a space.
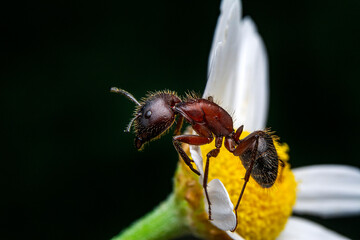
pixel 246 144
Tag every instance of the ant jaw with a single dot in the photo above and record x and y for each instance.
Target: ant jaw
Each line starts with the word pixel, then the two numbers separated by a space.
pixel 138 143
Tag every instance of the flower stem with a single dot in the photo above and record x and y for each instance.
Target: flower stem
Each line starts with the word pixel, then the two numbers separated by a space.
pixel 166 221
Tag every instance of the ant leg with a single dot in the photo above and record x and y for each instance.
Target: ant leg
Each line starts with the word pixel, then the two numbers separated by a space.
pixel 193 140
pixel 282 165
pixel 243 146
pixel 185 157
pixel 238 133
pixel 212 153
pixel 205 137
pixel 179 125
pixel 246 143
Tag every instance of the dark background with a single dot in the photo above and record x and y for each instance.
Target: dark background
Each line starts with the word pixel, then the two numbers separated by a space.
pixel 68 170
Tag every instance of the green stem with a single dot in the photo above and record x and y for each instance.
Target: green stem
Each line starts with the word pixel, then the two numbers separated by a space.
pixel 166 221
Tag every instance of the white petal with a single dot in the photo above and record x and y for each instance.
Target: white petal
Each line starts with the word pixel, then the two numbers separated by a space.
pixel 234 235
pixel 301 229
pixel 238 69
pixel 251 91
pixel 195 153
pixel 221 206
pixel 328 190
pixel 224 53
pixel 227 6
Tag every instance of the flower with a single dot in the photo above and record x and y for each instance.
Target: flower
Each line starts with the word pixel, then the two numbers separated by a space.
pixel 238 81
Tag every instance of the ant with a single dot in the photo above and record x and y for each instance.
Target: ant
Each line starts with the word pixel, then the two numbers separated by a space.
pixel 157 113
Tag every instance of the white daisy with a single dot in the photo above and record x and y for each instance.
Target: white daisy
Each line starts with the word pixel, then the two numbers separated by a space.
pixel 238 81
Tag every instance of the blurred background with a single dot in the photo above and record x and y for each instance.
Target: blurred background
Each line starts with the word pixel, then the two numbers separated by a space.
pixel 68 169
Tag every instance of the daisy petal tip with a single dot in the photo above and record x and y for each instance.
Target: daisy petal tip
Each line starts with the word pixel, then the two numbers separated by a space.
pixel 328 190
pixel 302 229
pixel 221 206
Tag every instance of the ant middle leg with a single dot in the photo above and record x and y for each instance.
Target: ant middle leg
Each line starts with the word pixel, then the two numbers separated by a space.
pixel 212 153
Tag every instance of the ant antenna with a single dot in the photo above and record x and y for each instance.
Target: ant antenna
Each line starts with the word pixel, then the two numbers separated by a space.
pixel 129 125
pixel 131 98
pixel 126 94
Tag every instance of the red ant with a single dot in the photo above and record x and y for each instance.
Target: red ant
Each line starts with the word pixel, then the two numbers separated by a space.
pixel 156 114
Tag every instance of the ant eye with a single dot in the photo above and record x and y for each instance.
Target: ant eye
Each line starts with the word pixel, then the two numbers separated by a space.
pixel 148 114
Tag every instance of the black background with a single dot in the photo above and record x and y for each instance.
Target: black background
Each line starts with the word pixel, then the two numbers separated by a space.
pixel 68 170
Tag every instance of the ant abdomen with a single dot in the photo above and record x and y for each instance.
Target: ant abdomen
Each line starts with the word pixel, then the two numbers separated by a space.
pixel 265 168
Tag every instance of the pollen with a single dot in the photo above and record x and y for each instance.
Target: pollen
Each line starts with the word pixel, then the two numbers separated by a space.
pixel 263 212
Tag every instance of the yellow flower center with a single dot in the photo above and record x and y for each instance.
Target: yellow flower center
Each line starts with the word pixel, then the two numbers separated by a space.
pixel 263 212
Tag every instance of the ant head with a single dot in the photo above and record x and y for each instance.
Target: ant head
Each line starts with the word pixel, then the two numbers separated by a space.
pixel 153 116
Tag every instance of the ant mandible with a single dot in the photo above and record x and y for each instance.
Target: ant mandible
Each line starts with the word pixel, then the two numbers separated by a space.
pixel 157 113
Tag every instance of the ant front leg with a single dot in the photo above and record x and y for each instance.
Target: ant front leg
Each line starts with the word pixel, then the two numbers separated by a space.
pixel 205 137
pixel 179 124
pixel 189 139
